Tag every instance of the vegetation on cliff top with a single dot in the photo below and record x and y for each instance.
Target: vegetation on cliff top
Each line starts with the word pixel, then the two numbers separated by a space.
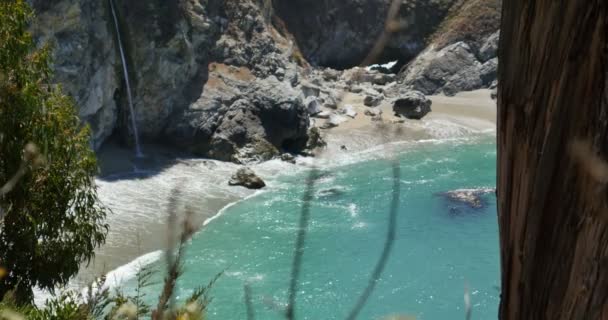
pixel 468 20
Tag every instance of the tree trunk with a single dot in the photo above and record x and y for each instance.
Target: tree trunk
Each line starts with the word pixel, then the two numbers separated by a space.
pixel 552 191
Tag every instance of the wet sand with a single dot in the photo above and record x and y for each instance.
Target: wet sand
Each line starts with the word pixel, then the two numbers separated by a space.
pixel 138 191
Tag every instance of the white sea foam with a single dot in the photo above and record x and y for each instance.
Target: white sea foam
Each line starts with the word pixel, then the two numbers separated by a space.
pixel 359 225
pixel 114 278
pixel 219 213
pixel 118 276
pixel 353 210
pixel 387 65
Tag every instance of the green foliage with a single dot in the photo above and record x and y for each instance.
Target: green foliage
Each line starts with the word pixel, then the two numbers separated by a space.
pixel 52 218
pixel 99 303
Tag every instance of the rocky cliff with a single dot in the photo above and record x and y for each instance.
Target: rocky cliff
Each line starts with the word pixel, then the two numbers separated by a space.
pixel 462 53
pixel 227 78
pixel 85 58
pixel 340 33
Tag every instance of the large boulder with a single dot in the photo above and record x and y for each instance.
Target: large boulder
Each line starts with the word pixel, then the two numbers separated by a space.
pixel 247 178
pixel 412 105
pixel 488 72
pixel 455 59
pixel 450 70
pixel 489 48
pixel 242 118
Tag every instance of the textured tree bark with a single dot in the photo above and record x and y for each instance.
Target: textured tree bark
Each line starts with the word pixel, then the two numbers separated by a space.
pixel 553 197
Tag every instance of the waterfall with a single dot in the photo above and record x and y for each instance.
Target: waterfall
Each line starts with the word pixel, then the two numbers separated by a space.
pixel 126 74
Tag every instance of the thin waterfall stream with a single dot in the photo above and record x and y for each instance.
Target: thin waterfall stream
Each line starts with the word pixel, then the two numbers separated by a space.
pixel 125 69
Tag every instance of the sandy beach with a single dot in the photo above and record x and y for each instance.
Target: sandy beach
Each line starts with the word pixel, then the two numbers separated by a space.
pixel 138 190
pixel 451 117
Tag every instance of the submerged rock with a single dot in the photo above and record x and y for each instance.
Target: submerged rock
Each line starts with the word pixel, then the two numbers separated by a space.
pixel 334 192
pixel 471 197
pixel 412 105
pixel 247 178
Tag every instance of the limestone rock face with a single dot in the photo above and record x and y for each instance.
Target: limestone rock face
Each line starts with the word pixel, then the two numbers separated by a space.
pixel 489 49
pixel 474 198
pixel 216 79
pixel 179 96
pixel 84 58
pixel 232 79
pixel 462 55
pixel 169 46
pixel 450 70
pixel 242 118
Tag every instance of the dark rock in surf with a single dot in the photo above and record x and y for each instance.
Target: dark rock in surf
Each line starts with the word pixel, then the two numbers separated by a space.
pixel 247 178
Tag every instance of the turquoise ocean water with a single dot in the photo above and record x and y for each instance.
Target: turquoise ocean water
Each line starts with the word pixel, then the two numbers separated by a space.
pixel 440 246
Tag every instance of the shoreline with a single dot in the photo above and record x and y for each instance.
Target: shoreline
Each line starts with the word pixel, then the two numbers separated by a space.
pixel 134 231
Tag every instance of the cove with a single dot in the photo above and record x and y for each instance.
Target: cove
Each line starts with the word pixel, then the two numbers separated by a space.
pixel 441 247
